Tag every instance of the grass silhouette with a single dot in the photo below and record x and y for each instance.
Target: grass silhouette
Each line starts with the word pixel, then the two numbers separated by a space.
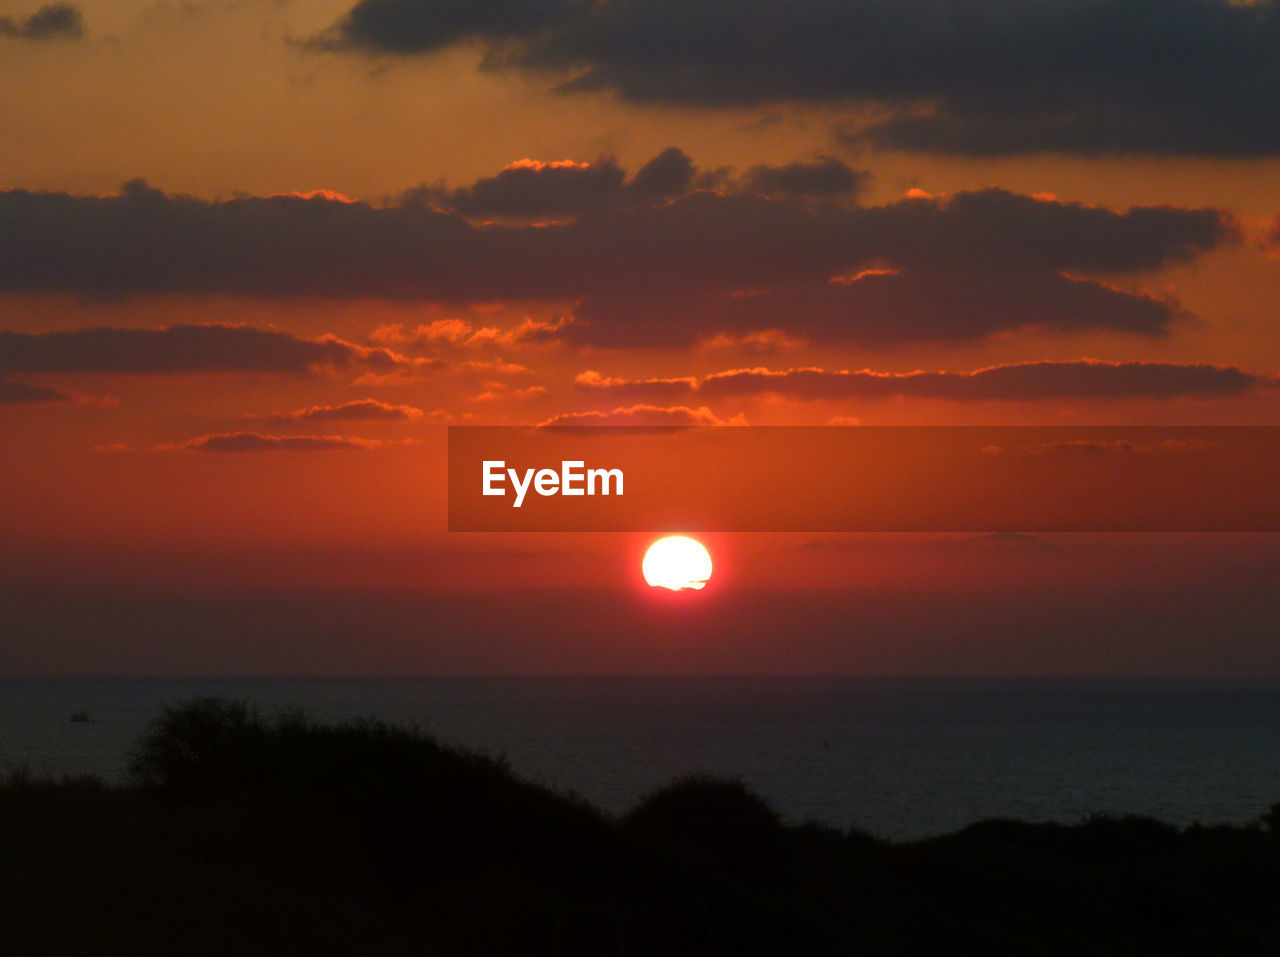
pixel 240 834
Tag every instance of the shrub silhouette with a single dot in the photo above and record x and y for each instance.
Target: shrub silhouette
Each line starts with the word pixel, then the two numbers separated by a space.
pixel 412 798
pixel 717 817
pixel 205 748
pixel 1271 819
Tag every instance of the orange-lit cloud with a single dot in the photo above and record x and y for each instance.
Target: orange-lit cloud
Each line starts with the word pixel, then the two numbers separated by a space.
pixel 359 410
pixel 501 392
pixel 1077 379
pixel 656 388
pixel 256 442
pixel 444 335
pixel 762 341
pixel 644 415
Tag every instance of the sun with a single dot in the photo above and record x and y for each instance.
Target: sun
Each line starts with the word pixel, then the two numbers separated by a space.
pixel 677 562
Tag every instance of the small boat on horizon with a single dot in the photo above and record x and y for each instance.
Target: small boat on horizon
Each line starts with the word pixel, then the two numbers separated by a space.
pixel 80 716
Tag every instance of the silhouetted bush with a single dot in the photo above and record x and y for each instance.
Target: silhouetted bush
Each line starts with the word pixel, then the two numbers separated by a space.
pixel 205 748
pixel 1271 820
pixel 715 816
pixel 422 806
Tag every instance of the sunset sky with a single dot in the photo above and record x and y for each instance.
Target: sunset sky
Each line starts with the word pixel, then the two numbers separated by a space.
pixel 257 255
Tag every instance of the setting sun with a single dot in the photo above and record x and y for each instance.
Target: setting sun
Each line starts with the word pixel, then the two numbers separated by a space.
pixel 677 563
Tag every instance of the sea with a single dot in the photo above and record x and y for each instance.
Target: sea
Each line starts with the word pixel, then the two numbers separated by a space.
pixel 899 758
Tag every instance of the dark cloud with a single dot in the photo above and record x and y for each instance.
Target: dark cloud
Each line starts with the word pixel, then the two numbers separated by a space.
pixel 254 442
pixel 886 308
pixel 20 392
pixel 414 26
pixel 53 21
pixel 980 77
pixel 183 348
pixel 705 263
pixel 1079 379
pixel 670 173
pixel 142 241
pixel 360 410
pixel 993 229
pixel 962 268
pixel 531 189
pixel 826 176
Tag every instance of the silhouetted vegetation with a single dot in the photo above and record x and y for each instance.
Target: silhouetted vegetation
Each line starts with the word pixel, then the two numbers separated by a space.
pixel 244 835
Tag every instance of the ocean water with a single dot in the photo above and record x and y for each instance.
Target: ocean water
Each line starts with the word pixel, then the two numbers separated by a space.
pixel 899 758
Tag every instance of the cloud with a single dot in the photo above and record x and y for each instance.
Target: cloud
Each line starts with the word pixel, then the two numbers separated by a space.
pixel 656 389
pixel 20 392
pixel 360 410
pixel 184 349
pixel 963 268
pixel 142 241
pixel 704 264
pixel 255 442
pixel 998 230
pixel 453 332
pixel 885 308
pixel 761 341
pixel 1100 447
pixel 1077 379
pixel 529 188
pixel 501 392
pixel 826 176
pixel 1271 234
pixel 406 26
pixel 455 335
pixel 53 21
pixel 985 77
pixel 643 415
pixel 670 173
pixel 532 189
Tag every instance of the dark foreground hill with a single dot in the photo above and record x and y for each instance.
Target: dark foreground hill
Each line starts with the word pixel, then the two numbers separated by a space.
pixel 242 836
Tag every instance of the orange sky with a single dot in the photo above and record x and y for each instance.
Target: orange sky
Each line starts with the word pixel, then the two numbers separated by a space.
pixel 755 219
